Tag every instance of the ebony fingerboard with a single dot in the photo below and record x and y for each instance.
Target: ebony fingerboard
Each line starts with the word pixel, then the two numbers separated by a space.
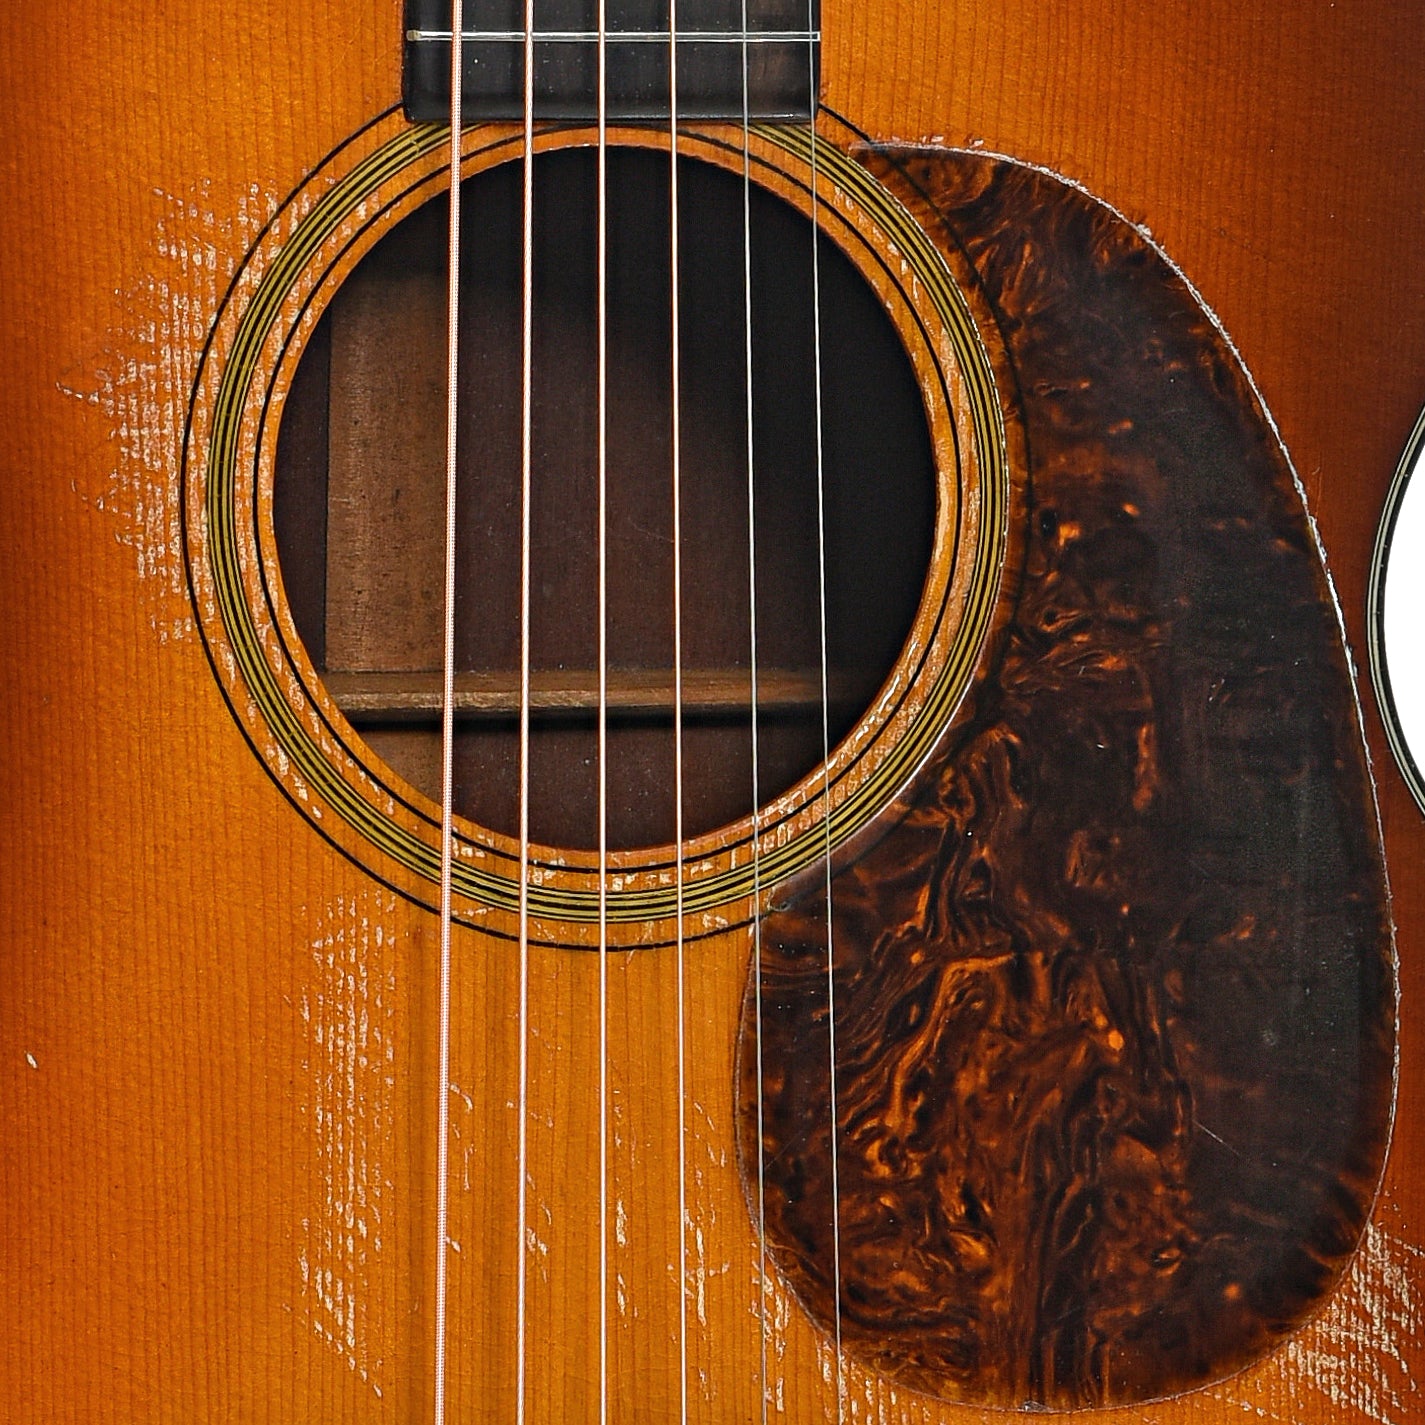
pixel 766 71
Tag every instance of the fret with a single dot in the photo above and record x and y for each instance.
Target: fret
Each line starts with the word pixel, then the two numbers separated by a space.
pixel 623 37
pixel 776 42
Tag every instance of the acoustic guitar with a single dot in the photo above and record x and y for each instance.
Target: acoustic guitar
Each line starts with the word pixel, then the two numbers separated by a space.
pixel 683 752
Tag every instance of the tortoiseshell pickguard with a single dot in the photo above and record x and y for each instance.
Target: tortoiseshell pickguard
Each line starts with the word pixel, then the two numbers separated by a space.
pixel 1114 993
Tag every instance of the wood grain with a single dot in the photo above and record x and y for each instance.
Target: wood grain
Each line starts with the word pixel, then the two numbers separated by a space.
pixel 213 1065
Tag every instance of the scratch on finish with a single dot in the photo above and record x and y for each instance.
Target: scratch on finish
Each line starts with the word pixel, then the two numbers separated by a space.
pixel 347 1009
pixel 1356 1355
pixel 141 383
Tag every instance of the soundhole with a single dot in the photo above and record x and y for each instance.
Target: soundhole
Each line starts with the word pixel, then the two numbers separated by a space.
pixel 845 485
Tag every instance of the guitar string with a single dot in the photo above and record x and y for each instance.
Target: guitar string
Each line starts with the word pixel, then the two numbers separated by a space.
pixel 524 732
pixel 603 734
pixel 840 1379
pixel 526 482
pixel 447 723
pixel 762 1318
pixel 678 700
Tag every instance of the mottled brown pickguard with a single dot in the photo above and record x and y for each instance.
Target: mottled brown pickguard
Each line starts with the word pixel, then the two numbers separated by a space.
pixel 1114 996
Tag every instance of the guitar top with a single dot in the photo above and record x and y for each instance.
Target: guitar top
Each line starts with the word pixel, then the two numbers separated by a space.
pixel 934 923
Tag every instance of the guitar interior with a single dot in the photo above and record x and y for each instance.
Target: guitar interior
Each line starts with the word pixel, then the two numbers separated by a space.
pixel 359 491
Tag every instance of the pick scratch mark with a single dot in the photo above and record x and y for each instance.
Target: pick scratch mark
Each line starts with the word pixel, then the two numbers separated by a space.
pixel 347 1010
pixel 1359 1356
pixel 141 382
pixel 1217 1137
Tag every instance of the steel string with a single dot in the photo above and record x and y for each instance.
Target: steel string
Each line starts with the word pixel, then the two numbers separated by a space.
pixel 825 728
pixel 603 748
pixel 526 482
pixel 678 706
pixel 762 1313
pixel 447 722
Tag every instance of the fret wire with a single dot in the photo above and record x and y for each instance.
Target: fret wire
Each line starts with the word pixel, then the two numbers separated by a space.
pixel 591 37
